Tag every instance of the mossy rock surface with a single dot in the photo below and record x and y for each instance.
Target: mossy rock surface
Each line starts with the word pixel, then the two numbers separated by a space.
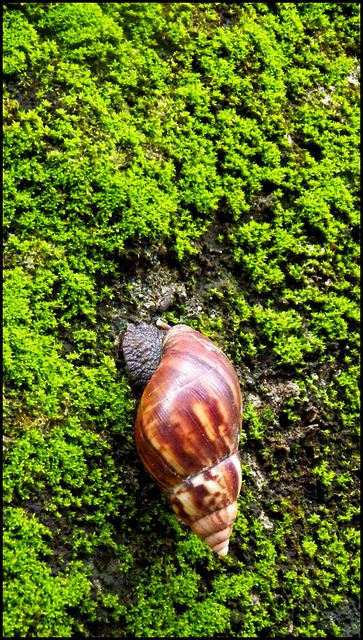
pixel 197 162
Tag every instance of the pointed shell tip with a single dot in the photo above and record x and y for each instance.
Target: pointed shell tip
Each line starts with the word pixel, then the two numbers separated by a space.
pixel 223 552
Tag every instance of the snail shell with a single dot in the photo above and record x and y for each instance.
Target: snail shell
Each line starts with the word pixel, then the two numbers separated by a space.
pixel 187 431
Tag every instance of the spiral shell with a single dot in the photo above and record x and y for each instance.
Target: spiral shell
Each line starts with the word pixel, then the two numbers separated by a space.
pixel 187 432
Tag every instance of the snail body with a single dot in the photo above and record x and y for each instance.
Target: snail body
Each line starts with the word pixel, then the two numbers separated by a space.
pixel 187 426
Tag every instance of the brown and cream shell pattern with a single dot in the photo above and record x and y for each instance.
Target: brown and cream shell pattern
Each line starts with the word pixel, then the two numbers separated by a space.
pixel 187 432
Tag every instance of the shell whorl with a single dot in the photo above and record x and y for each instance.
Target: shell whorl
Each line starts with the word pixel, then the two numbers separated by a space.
pixel 207 502
pixel 216 528
pixel 189 417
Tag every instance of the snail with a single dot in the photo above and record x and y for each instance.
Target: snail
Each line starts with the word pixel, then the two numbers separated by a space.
pixel 188 424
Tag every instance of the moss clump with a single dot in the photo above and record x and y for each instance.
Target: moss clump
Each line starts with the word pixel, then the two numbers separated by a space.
pixel 40 601
pixel 199 160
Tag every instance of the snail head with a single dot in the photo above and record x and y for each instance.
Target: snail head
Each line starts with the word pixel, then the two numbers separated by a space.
pixel 142 349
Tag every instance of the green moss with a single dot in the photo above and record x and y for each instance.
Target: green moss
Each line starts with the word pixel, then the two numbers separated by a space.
pixel 218 142
pixel 255 421
pixel 35 601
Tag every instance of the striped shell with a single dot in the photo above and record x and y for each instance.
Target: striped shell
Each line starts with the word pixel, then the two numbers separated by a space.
pixel 187 431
